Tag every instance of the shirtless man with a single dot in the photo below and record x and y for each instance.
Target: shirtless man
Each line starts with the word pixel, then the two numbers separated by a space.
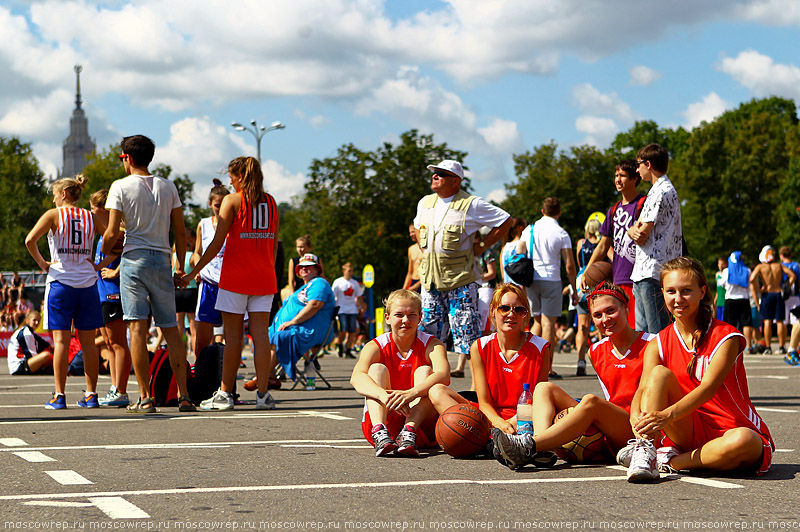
pixel 412 281
pixel 771 305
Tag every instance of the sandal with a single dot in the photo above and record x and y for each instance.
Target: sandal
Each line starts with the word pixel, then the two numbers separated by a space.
pixel 186 407
pixel 142 406
pixel 457 373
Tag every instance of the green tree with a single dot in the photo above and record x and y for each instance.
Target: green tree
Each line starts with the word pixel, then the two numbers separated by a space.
pixel 357 206
pixel 582 178
pixel 789 209
pixel 25 199
pixel 730 179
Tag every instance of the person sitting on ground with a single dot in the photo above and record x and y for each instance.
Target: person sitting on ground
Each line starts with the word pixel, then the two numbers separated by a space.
pixel 694 391
pixel 501 362
pixel 394 373
pixel 617 359
pixel 29 353
pixel 304 319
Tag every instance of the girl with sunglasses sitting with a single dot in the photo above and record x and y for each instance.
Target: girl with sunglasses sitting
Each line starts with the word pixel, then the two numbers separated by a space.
pixel 501 362
pixel 617 360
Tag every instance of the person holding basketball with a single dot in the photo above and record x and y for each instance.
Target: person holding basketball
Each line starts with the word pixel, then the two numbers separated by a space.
pixel 617 359
pixel 501 362
pixel 247 226
pixel 395 373
pixel 694 390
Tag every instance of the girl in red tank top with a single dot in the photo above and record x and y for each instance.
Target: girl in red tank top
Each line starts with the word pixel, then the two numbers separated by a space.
pixel 694 387
pixel 617 360
pixel 249 222
pixel 395 370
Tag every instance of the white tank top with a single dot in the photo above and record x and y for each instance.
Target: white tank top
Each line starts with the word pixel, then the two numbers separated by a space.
pixel 210 273
pixel 71 248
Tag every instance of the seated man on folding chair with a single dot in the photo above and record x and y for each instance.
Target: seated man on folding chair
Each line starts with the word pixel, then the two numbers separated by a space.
pixel 304 319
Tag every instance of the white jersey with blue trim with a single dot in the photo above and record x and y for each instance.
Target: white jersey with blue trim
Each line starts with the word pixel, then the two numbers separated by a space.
pixel 210 273
pixel 71 248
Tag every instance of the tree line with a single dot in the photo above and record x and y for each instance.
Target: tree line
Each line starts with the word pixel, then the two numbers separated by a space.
pixel 738 178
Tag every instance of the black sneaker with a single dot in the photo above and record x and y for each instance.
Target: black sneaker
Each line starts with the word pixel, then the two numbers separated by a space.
pixel 407 442
pixel 544 459
pixel 384 444
pixel 781 350
pixel 554 376
pixel 516 449
pixel 581 370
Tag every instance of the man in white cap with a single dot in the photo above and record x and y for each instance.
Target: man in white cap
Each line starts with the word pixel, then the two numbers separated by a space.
pixel 446 223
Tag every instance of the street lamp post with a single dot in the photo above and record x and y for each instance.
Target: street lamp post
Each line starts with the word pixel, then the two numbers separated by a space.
pixel 257 131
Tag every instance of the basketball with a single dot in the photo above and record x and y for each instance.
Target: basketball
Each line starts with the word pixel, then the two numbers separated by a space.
pixel 588 448
pixel 462 430
pixel 597 273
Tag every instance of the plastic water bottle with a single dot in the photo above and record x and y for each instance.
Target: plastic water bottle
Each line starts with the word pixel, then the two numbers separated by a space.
pixel 525 411
pixel 311 377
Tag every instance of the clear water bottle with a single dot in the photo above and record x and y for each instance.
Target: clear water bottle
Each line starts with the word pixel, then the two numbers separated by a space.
pixel 311 377
pixel 525 411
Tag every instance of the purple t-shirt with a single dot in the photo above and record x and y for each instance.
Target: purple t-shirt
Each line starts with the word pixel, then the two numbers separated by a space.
pixel 624 247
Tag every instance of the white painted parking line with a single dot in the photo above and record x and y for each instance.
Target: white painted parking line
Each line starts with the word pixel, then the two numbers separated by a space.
pixel 34 456
pixel 784 450
pixel 188 445
pixel 59 504
pixel 12 442
pixel 691 480
pixel 314 445
pixel 118 508
pixel 783 410
pixel 774 377
pixel 183 417
pixel 68 477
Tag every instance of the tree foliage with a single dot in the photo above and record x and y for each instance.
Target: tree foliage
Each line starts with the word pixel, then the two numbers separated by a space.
pixel 358 205
pixel 25 198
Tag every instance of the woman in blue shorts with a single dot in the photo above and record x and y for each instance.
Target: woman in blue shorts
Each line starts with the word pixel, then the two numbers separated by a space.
pixel 71 295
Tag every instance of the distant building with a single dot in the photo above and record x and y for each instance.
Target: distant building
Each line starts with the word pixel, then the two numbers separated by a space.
pixel 79 144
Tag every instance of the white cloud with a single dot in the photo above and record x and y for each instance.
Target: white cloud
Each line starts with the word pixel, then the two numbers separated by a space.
pixel 643 76
pixel 497 195
pixel 707 109
pixel 600 131
pixel 43 117
pixel 502 135
pixel 771 12
pixel 591 100
pixel 761 75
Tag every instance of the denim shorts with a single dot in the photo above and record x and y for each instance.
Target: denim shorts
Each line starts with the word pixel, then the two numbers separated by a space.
pixel 348 322
pixel 146 283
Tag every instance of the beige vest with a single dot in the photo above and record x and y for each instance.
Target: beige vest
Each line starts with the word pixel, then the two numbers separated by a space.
pixel 447 260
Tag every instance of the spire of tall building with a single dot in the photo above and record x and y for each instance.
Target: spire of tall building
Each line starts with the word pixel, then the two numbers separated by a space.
pixel 78 145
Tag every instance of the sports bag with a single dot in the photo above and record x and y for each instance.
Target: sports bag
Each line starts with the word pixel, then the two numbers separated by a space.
pixel 520 267
pixel 163 386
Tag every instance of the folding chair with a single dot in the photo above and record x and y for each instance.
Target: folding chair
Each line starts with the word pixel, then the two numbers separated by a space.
pixel 300 376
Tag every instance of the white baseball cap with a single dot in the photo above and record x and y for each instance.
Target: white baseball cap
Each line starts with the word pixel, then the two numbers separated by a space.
pixel 449 166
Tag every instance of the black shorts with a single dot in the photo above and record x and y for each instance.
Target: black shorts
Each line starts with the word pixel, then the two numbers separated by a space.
pixel 111 310
pixel 737 313
pixel 23 369
pixel 186 300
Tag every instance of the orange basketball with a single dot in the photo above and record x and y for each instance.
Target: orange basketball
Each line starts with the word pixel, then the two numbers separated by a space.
pixel 597 273
pixel 462 430
pixel 587 448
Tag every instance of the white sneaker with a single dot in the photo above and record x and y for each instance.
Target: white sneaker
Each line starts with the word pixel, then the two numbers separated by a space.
pixel 643 462
pixel 265 402
pixel 624 454
pixel 663 456
pixel 219 401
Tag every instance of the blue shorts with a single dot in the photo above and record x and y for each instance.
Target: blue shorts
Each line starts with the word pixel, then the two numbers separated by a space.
pixel 772 307
pixel 205 304
pixel 146 283
pixel 348 322
pixel 66 305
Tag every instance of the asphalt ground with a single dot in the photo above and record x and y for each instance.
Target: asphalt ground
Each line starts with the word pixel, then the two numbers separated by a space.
pixel 306 466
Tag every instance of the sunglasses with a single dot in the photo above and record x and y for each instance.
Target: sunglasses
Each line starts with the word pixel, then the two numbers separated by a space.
pixel 123 156
pixel 519 311
pixel 442 175
pixel 641 161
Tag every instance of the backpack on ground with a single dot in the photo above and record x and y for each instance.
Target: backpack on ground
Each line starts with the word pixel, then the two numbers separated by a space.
pixel 207 373
pixel 163 386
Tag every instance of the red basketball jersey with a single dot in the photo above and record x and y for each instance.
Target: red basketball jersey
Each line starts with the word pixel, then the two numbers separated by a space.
pixel 505 378
pixel 730 407
pixel 401 370
pixel 249 263
pixel 619 375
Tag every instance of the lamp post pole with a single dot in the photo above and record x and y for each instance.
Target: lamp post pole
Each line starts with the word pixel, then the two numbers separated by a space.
pixel 257 131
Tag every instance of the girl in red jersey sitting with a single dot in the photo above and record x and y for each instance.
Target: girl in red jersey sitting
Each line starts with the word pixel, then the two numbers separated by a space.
pixel 502 362
pixel 694 389
pixel 394 373
pixel 617 360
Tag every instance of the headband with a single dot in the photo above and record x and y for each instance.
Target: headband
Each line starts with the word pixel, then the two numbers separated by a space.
pixel 601 291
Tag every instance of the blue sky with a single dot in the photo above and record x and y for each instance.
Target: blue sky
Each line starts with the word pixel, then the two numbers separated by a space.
pixel 491 78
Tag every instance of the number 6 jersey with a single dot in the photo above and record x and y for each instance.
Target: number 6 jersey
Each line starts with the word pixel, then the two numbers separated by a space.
pixel 71 248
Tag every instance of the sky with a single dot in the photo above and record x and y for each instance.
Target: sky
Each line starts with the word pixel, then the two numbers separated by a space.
pixel 493 78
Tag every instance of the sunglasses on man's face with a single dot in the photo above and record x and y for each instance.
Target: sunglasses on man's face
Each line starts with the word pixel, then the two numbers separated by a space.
pixel 519 311
pixel 123 156
pixel 442 175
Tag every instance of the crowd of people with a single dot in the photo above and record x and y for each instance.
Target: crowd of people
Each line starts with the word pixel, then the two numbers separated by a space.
pixel 663 401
